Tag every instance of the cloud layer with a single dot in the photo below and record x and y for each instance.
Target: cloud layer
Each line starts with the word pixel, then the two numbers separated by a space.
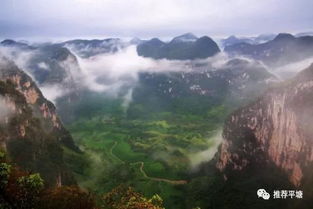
pixel 205 156
pixel 104 72
pixel 152 17
pixel 108 72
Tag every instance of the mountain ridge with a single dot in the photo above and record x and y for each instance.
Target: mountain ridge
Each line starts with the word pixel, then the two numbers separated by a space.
pixel 283 49
pixel 177 49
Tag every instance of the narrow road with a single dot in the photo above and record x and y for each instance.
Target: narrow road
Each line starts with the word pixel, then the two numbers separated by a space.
pixel 141 168
pixel 113 155
pixel 175 182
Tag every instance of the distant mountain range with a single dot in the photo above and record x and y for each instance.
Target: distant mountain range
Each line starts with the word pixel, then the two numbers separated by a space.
pixel 272 49
pixel 283 49
pixel 308 33
pixel 183 47
pixel 231 40
pixel 89 48
pixel 51 64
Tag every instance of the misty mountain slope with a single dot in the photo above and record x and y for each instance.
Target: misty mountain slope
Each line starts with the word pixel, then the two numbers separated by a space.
pixel 31 131
pixel 183 47
pixel 136 41
pixel 233 40
pixel 274 130
pixel 12 43
pixel 283 49
pixel 54 65
pixel 48 64
pixel 89 48
pixel 187 37
pixel 235 83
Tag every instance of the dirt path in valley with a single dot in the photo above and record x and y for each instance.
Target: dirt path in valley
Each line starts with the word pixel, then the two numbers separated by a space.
pixel 141 168
pixel 175 182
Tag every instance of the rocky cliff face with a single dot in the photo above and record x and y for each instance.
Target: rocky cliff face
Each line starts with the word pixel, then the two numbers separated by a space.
pixel 31 131
pixel 277 128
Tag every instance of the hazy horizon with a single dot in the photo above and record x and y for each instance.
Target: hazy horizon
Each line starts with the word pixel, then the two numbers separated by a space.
pixel 46 39
pixel 43 19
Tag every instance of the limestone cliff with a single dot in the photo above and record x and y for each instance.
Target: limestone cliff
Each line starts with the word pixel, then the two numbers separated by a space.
pixel 277 129
pixel 30 130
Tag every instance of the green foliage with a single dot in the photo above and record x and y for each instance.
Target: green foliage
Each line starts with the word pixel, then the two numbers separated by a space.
pixel 21 190
pixel 156 200
pixel 217 113
pixel 29 189
pixel 32 182
pixel 2 155
pixel 26 191
pixel 80 163
pixel 126 198
pixel 5 170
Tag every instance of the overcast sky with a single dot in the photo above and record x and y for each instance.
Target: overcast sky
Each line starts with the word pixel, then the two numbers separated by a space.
pixel 147 18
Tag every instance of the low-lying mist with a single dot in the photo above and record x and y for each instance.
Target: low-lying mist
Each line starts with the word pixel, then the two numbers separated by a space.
pixel 108 72
pixel 290 70
pixel 198 158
